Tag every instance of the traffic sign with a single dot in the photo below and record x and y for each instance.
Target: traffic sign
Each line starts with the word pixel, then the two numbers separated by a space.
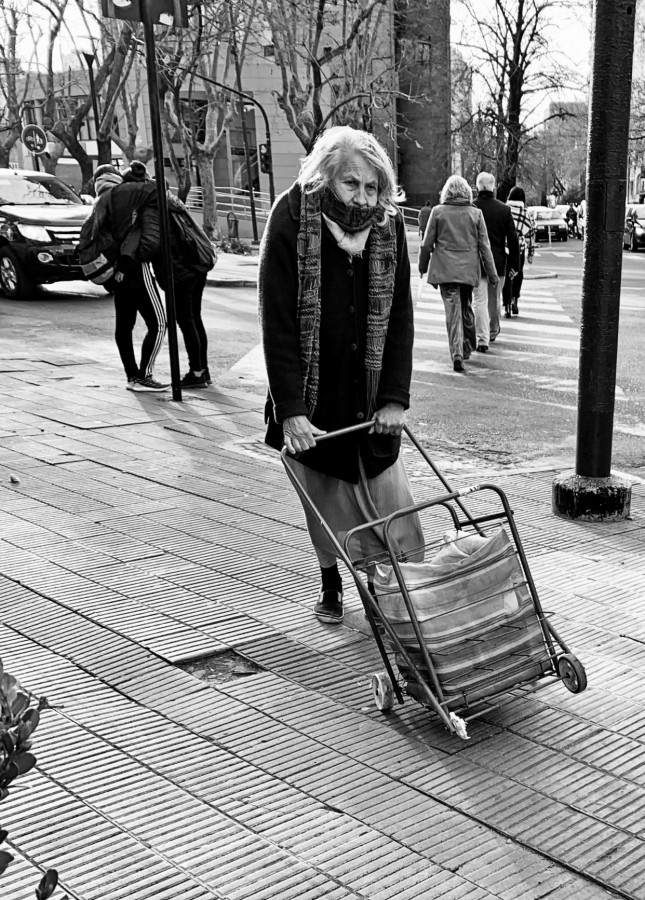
pixel 161 12
pixel 34 139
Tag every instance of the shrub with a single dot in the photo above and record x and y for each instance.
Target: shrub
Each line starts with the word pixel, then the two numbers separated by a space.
pixel 18 721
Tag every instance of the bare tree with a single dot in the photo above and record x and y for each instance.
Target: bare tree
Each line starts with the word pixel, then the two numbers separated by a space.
pixel 510 44
pixel 15 79
pixel 334 61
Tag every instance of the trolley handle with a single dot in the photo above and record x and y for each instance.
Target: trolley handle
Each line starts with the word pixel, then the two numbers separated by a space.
pixel 341 432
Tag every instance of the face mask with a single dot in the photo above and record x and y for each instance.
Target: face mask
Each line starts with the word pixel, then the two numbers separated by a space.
pixel 350 218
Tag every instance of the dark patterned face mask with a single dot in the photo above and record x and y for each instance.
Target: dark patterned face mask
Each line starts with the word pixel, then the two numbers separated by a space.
pixel 350 218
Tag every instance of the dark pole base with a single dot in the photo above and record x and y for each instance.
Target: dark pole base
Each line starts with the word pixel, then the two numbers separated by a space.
pixel 591 499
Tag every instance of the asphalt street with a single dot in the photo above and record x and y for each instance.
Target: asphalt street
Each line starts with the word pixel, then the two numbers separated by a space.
pixel 515 405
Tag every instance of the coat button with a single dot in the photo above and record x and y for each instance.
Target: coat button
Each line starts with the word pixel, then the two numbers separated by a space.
pixel 360 416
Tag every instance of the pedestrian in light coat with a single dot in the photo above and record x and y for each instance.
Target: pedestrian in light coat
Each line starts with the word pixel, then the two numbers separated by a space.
pixel 454 248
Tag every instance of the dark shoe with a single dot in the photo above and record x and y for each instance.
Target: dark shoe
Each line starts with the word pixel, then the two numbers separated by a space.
pixel 514 308
pixel 329 607
pixel 190 380
pixel 458 364
pixel 482 348
pixel 148 384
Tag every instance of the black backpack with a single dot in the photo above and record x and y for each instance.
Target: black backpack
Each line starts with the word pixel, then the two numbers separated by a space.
pixel 197 251
pixel 98 254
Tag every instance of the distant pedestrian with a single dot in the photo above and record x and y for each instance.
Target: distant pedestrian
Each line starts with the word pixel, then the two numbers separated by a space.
pixel 525 227
pixel 487 298
pixel 424 215
pixel 337 331
pixel 127 208
pixel 454 248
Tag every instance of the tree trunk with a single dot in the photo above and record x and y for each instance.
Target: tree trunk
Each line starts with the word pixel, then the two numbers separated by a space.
pixel 204 163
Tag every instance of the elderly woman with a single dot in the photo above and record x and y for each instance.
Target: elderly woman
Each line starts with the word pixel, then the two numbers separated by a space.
pixel 456 246
pixel 337 330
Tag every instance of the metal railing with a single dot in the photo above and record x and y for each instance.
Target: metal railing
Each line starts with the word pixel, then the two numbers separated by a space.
pixel 236 200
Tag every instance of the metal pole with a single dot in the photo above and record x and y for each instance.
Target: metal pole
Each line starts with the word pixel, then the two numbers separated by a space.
pixel 160 177
pixel 245 139
pixel 89 59
pixel 603 251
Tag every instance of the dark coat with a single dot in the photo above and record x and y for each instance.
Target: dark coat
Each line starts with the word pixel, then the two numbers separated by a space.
pixel 134 203
pixel 424 215
pixel 342 393
pixel 501 231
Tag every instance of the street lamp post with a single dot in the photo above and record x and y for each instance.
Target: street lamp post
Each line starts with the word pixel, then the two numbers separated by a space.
pixel 89 59
pixel 245 140
pixel 592 492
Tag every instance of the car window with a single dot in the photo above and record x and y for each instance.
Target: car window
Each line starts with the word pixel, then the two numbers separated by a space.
pixel 32 190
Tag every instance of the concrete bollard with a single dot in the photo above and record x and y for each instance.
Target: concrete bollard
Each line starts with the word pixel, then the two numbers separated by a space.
pixel 591 499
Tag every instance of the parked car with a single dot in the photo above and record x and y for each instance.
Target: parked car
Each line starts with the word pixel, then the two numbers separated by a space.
pixel 548 221
pixel 634 231
pixel 40 224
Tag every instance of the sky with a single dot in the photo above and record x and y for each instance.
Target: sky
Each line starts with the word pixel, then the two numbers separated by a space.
pixel 569 39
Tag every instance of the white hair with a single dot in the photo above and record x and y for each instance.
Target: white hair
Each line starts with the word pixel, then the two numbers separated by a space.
pixel 456 188
pixel 334 147
pixel 485 181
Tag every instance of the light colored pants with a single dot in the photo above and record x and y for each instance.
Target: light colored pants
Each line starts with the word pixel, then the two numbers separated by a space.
pixel 460 322
pixel 343 506
pixel 487 301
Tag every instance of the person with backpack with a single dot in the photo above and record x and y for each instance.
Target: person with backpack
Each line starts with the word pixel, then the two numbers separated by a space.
pixel 193 256
pixel 126 211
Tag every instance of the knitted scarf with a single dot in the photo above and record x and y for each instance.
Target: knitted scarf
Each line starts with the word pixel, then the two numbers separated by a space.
pixel 381 273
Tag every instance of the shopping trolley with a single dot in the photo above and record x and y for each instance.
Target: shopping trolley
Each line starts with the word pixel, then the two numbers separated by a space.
pixel 458 622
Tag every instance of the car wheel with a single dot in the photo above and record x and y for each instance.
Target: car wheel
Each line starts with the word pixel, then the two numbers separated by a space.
pixel 13 280
pixel 633 246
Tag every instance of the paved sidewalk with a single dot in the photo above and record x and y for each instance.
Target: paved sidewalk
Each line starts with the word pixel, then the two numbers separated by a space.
pixel 139 536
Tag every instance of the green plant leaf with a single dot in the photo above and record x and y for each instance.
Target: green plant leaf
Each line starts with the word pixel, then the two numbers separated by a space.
pixel 22 764
pixel 47 885
pixel 20 704
pixel 5 859
pixel 28 724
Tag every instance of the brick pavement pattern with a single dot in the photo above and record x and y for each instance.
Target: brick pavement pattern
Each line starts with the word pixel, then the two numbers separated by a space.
pixel 139 534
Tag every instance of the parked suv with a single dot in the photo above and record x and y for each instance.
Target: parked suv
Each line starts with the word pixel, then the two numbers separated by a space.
pixel 40 224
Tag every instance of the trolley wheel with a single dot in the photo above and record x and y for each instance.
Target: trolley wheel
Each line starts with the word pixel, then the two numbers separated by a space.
pixel 572 673
pixel 382 691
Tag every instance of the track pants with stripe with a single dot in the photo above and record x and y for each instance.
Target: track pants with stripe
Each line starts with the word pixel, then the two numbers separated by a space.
pixel 139 293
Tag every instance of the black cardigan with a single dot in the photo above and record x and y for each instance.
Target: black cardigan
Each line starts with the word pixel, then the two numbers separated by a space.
pixel 342 392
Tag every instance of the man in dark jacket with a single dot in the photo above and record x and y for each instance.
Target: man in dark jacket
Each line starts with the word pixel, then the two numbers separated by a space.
pixel 131 215
pixel 503 240
pixel 424 215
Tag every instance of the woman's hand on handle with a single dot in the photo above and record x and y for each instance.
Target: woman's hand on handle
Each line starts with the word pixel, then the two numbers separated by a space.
pixel 389 419
pixel 299 434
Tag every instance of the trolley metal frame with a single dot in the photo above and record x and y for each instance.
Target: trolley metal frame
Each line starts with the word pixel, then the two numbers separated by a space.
pixel 564 666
